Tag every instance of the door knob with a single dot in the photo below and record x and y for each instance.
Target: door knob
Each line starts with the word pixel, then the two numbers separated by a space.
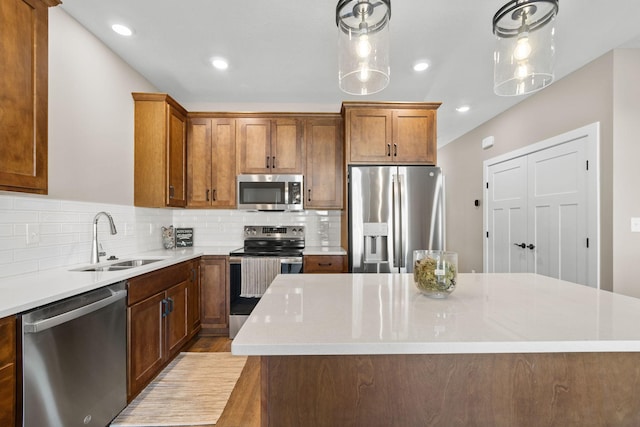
pixel 531 246
pixel 522 245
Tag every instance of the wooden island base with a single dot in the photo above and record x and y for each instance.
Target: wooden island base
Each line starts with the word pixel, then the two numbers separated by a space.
pixel 532 389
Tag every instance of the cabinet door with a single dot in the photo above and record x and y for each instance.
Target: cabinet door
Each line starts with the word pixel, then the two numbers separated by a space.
pixel 254 151
pixel 7 371
pixel 223 159
pixel 199 159
pixel 286 146
pixel 193 298
pixel 369 135
pixel 214 284
pixel 177 144
pixel 323 174
pixel 414 136
pixel 177 321
pixel 23 99
pixel 146 342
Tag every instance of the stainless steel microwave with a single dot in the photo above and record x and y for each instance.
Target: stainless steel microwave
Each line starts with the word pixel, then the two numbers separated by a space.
pixel 270 192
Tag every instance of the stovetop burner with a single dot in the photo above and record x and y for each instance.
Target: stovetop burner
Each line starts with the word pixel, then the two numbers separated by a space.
pixel 281 241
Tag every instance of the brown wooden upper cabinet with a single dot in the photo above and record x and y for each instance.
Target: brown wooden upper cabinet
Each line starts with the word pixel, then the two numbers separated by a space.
pixel 160 136
pixel 323 173
pixel 24 95
pixel 387 132
pixel 271 146
pixel 211 163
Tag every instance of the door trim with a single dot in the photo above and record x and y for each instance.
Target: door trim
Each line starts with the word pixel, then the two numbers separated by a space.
pixel 591 135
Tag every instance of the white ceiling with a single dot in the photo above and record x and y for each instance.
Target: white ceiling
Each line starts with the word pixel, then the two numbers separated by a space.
pixel 283 57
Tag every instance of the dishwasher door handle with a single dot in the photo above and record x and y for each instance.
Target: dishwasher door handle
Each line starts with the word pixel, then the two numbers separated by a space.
pixel 44 324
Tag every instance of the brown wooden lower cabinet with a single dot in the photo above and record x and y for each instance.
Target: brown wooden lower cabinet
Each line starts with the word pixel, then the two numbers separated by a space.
pixel 537 389
pixel 214 285
pixel 8 374
pixel 160 321
pixel 325 264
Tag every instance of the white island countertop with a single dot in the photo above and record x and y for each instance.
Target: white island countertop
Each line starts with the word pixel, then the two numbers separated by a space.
pixel 341 314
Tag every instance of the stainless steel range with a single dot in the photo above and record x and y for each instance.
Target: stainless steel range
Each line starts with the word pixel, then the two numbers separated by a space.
pixel 267 251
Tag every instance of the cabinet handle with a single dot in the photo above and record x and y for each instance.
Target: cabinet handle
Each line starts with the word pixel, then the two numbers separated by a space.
pixel 531 246
pixel 325 264
pixel 388 150
pixel 395 150
pixel 273 162
pixel 193 275
pixel 214 195
pixel 207 194
pixel 171 191
pixel 309 195
pixel 170 305
pixel 165 306
pixel 267 162
pixel 522 245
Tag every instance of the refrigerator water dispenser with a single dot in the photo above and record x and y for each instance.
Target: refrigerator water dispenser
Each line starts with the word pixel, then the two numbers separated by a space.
pixel 375 242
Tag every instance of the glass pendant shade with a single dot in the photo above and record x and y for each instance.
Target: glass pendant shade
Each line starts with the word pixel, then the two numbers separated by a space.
pixel 363 45
pixel 524 55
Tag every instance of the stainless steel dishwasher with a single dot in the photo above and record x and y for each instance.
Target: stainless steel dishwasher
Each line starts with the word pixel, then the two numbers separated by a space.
pixel 75 360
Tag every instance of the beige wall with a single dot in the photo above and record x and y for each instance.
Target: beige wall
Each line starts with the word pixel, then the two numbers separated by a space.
pixel 581 98
pixel 626 171
pixel 90 116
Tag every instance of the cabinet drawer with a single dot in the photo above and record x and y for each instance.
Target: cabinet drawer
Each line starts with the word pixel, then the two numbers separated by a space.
pixel 142 287
pixel 325 264
pixel 7 340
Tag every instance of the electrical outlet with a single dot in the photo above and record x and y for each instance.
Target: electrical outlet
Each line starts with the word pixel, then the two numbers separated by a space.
pixel 32 234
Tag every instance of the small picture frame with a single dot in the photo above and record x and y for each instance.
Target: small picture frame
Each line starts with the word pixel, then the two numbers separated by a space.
pixel 184 237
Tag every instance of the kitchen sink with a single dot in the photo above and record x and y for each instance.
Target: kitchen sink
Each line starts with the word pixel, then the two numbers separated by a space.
pixel 120 265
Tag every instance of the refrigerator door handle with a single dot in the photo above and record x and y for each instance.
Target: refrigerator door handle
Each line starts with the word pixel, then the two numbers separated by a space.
pixel 402 211
pixel 397 255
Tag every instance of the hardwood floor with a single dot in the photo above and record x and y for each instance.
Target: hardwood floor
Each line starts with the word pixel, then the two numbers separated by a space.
pixel 243 408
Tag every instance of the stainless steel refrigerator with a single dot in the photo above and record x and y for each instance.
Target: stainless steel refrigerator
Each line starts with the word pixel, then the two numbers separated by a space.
pixel 394 210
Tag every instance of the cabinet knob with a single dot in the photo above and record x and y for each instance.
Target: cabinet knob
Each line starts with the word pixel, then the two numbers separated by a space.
pixel 522 245
pixel 531 246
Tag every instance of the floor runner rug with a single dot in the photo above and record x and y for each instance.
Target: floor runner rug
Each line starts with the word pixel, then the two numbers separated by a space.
pixel 192 390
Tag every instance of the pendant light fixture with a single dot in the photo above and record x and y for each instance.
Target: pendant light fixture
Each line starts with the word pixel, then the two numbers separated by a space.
pixel 363 45
pixel 524 54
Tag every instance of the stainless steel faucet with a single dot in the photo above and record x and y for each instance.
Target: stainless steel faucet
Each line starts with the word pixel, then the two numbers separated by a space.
pixel 95 252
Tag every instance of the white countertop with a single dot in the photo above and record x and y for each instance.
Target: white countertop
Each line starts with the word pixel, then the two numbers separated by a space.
pixel 24 292
pixel 315 314
pixel 324 250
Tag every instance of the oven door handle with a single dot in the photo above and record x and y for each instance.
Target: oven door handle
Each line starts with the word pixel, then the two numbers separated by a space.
pixel 285 260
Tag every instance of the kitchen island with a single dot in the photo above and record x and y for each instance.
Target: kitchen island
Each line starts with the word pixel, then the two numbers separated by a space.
pixel 502 350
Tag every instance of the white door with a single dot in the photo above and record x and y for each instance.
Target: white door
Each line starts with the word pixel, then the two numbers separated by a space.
pixel 538 211
pixel 507 188
pixel 557 212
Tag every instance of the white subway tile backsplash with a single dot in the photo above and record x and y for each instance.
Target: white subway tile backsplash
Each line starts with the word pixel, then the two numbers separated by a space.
pixel 65 229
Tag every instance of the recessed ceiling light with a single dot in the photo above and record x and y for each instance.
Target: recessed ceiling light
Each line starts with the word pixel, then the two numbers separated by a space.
pixel 123 30
pixel 463 108
pixel 421 66
pixel 220 63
